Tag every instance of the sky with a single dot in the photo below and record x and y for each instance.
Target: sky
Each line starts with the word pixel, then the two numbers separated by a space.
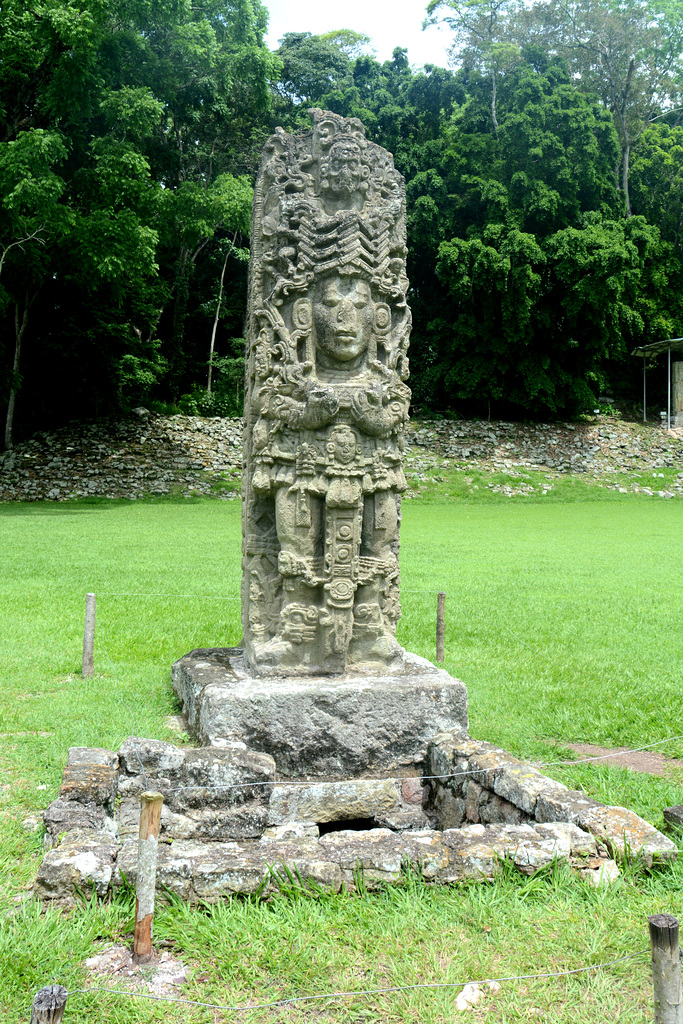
pixel 390 23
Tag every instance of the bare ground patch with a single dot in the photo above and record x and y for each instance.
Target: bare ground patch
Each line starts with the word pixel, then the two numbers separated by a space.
pixel 645 761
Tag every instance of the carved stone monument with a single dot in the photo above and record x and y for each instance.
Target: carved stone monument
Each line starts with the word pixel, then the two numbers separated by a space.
pixel 325 404
pixel 321 682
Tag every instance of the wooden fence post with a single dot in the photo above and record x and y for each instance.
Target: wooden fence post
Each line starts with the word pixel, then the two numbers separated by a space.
pixel 89 636
pixel 148 841
pixel 49 1005
pixel 440 624
pixel 666 969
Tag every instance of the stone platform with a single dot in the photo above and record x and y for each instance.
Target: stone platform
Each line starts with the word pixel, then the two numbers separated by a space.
pixel 323 727
pixel 229 826
pixel 324 780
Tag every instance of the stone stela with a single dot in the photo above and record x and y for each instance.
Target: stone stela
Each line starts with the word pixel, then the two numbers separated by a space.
pixel 325 405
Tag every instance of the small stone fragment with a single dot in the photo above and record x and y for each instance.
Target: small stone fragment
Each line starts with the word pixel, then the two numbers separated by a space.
pixel 90 783
pixel 32 822
pixel 624 833
pixel 333 801
pixel 83 860
pixel 92 756
pixel 674 815
pixel 469 997
pixel 523 785
pixel 62 816
pixel 606 873
pixel 563 806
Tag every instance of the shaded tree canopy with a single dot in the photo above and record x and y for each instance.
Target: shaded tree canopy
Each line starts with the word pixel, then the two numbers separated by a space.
pixel 130 132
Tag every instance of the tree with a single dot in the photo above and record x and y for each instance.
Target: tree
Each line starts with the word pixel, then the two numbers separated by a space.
pixel 160 110
pixel 657 180
pixel 30 222
pixel 312 66
pixel 193 213
pixel 500 213
pixel 353 44
pixel 481 30
pixel 628 52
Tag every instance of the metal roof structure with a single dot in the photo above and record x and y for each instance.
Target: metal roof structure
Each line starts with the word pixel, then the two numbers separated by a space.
pixel 668 345
pixel 655 347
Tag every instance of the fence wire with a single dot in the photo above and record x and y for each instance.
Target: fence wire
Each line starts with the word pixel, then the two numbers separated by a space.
pixel 419 778
pixel 360 992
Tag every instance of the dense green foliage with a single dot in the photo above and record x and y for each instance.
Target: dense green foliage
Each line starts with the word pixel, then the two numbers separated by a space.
pixel 129 135
pixel 543 177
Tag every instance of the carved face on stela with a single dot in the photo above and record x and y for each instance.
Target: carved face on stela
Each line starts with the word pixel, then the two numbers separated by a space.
pixel 343 320
pixel 343 445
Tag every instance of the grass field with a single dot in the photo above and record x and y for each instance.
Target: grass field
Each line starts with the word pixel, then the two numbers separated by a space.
pixel 563 617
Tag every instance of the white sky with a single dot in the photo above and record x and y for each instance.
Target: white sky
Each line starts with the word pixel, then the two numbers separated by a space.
pixel 390 23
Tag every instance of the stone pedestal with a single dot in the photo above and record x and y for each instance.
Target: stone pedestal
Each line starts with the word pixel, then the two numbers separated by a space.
pixel 323 727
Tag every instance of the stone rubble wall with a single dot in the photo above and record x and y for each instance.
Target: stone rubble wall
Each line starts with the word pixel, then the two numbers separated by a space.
pixel 126 459
pixel 154 455
pixel 223 831
pixel 474 782
pixel 604 446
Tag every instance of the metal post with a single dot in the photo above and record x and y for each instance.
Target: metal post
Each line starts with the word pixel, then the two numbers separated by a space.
pixel 644 391
pixel 668 392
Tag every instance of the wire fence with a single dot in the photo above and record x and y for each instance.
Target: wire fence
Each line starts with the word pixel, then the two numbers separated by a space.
pixel 212 597
pixel 358 993
pixel 469 772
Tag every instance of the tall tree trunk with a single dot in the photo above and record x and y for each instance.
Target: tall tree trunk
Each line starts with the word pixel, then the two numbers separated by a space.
pixel 181 294
pixel 626 136
pixel 215 323
pixel 493 101
pixel 179 315
pixel 14 387
pixel 624 178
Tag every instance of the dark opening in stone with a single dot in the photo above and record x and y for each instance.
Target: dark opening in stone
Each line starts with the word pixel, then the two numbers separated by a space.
pixel 357 824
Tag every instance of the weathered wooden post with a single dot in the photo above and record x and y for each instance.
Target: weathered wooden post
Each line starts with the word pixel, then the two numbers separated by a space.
pixel 148 842
pixel 49 1005
pixel 440 625
pixel 666 969
pixel 89 636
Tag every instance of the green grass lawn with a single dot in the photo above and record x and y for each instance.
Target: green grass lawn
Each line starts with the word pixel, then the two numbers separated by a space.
pixel 563 617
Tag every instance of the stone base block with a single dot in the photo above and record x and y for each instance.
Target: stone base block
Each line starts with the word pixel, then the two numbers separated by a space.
pixel 320 726
pixel 228 825
pixel 382 800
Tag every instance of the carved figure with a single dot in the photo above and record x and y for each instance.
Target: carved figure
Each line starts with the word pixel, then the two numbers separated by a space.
pixel 325 404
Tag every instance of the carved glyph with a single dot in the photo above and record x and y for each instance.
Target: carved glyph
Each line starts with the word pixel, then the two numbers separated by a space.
pixel 325 404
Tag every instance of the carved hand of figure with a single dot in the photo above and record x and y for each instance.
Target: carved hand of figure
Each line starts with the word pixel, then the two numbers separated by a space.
pixel 322 406
pixel 287 410
pixel 369 411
